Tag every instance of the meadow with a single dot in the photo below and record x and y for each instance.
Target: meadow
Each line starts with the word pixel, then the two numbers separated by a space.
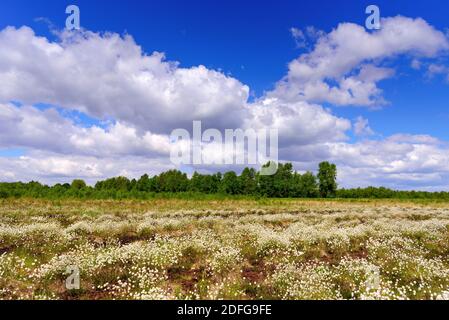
pixel 225 249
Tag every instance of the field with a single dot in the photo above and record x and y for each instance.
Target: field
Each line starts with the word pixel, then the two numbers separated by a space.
pixel 224 249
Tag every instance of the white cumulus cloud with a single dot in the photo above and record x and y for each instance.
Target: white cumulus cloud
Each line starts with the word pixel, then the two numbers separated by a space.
pixel 110 77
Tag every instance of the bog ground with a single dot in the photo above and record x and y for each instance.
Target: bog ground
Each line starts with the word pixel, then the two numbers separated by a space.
pixel 227 249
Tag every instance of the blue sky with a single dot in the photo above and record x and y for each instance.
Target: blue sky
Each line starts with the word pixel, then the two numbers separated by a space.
pixel 251 41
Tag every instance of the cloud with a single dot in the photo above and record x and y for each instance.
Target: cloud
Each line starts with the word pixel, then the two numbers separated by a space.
pixel 416 64
pixel 362 128
pixel 52 168
pixel 109 77
pixel 29 127
pixel 298 123
pixel 326 74
pixel 303 39
pixel 106 75
pixel 299 37
pixel 437 69
pixel 400 161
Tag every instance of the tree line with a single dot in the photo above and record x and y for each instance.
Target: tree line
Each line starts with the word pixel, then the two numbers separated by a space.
pixel 285 183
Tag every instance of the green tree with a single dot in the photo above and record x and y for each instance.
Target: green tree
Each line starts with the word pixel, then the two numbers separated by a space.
pixel 265 183
pixel 144 183
pixel 283 180
pixel 172 181
pixel 278 185
pixel 205 183
pixel 248 182
pixel 230 183
pixel 304 186
pixel 327 176
pixel 78 184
